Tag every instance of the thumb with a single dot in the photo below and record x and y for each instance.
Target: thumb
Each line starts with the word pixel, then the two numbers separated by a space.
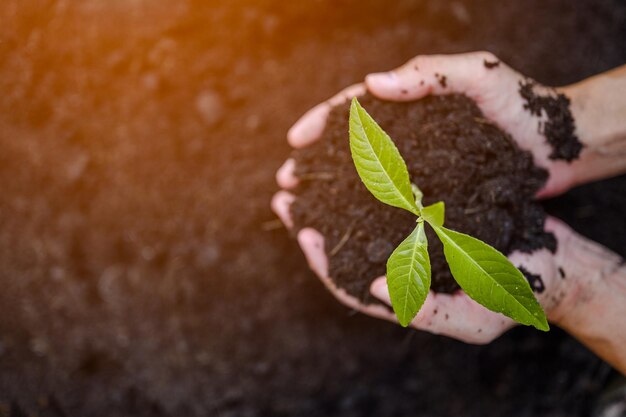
pixel 433 74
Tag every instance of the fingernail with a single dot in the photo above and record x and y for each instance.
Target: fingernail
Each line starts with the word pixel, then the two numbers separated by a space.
pixel 382 80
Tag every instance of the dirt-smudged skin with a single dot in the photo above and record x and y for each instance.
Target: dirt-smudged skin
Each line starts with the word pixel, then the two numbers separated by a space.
pixel 558 127
pixel 454 155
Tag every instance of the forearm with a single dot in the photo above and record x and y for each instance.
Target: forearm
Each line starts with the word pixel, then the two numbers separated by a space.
pixel 598 105
pixel 594 307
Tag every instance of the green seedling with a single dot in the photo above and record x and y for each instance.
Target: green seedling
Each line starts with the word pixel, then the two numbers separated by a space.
pixel 485 274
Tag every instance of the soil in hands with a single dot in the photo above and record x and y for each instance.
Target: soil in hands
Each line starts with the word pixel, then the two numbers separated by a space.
pixel 453 154
pixel 558 126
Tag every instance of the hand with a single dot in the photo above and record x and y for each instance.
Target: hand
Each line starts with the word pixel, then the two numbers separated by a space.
pixel 495 90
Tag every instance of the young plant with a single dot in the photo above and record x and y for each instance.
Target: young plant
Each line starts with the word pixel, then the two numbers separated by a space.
pixel 485 274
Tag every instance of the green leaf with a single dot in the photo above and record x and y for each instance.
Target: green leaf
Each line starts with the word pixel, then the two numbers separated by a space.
pixel 489 278
pixel 434 214
pixel 378 161
pixel 408 275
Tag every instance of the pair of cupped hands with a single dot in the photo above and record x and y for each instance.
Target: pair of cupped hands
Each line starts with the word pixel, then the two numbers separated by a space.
pixel 494 87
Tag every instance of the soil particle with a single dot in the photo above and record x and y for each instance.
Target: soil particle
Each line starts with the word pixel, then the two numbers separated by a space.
pixel 491 64
pixel 442 79
pixel 558 128
pixel 535 281
pixel 454 155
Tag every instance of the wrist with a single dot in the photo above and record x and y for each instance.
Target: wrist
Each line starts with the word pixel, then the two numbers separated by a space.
pixel 586 293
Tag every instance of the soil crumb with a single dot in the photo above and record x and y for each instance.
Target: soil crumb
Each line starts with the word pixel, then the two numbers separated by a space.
pixel 559 128
pixel 535 281
pixel 442 79
pixel 491 64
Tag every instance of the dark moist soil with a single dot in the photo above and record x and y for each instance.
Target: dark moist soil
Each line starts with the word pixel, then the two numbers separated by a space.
pixel 491 64
pixel 454 155
pixel 141 271
pixel 558 127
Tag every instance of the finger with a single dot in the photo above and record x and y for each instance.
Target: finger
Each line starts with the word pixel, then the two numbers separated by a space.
pixel 462 318
pixel 434 74
pixel 379 289
pixel 281 203
pixel 571 244
pixel 554 271
pixel 286 175
pixel 594 262
pixel 377 310
pixel 560 180
pixel 312 243
pixel 455 316
pixel 568 240
pixel 310 126
pixel 560 229
pixel 544 270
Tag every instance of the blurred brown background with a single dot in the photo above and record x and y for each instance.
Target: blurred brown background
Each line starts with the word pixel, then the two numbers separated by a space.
pixel 140 269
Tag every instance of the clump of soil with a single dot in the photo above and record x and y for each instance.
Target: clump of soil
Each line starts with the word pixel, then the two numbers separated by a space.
pixel 454 155
pixel 491 64
pixel 558 128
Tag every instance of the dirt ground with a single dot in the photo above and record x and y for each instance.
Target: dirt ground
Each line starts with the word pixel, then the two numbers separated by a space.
pixel 140 270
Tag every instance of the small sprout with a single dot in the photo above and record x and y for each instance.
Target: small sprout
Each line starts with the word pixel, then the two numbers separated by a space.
pixel 418 195
pixel 485 274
